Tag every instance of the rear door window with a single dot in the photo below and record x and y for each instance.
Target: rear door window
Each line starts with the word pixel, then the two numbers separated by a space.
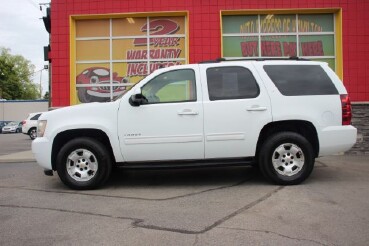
pixel 225 83
pixel 300 80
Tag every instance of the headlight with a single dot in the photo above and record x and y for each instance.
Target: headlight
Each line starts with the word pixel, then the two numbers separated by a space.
pixel 41 126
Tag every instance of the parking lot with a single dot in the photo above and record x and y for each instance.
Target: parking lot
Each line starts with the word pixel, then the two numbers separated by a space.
pixel 219 206
pixel 14 142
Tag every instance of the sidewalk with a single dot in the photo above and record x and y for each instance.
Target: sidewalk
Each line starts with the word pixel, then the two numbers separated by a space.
pixel 24 156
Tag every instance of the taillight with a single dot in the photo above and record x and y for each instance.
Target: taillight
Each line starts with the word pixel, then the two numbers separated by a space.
pixel 346 110
pixel 23 122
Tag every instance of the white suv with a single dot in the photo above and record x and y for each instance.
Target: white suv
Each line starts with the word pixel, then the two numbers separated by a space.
pixel 29 125
pixel 277 114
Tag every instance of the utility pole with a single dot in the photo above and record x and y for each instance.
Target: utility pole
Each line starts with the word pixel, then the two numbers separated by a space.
pixel 40 83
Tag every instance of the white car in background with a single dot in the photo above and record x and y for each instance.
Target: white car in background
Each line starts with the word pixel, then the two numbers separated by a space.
pixel 29 125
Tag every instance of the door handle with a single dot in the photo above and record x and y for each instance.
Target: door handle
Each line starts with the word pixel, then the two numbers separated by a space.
pixel 187 112
pixel 256 108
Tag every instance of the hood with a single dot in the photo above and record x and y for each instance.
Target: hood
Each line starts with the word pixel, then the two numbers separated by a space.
pixel 87 109
pixel 101 116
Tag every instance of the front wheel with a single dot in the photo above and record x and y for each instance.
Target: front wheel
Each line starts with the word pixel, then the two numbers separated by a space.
pixel 286 158
pixel 83 163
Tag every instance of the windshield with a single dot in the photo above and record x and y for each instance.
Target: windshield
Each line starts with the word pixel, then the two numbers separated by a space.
pixel 13 123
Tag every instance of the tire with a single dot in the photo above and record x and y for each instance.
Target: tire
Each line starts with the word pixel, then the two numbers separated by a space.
pixel 17 131
pixel 32 133
pixel 83 163
pixel 286 158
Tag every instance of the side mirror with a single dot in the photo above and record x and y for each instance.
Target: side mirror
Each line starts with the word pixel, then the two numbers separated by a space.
pixel 137 98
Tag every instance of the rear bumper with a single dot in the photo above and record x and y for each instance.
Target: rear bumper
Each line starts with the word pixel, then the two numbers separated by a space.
pixel 336 139
pixel 41 149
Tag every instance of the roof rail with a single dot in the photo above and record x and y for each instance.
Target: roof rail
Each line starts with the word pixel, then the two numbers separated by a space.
pixel 220 59
pixel 295 58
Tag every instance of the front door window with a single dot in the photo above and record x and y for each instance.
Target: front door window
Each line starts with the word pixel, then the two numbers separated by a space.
pixel 171 87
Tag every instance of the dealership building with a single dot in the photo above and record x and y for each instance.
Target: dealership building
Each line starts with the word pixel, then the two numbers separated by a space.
pixel 98 48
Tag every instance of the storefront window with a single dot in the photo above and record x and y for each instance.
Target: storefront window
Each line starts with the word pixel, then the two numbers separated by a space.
pixel 248 46
pixel 241 24
pixel 113 54
pixel 278 46
pixel 277 23
pixel 309 36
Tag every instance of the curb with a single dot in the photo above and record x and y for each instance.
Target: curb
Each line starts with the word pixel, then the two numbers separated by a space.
pixel 16 161
pixel 24 156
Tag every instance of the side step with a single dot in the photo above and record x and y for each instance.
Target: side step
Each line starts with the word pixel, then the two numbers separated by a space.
pixel 187 163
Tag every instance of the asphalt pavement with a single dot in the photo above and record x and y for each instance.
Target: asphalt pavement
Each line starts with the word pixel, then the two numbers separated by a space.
pixel 15 147
pixel 208 206
pixel 11 143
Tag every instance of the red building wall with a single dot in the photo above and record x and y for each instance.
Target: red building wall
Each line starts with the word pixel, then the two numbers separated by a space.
pixel 205 34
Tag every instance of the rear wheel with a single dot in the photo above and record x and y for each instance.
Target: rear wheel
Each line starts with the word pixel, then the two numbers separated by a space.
pixel 286 158
pixel 32 133
pixel 83 163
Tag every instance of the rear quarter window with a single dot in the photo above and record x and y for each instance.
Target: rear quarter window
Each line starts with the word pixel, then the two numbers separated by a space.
pixel 36 117
pixel 300 80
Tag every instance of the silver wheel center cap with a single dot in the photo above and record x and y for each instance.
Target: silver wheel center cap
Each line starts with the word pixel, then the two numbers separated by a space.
pixel 288 159
pixel 82 165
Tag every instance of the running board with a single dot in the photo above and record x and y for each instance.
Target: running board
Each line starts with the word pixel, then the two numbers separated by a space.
pixel 187 163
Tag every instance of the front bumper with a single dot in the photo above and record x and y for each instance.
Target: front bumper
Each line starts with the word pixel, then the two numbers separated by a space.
pixel 337 139
pixel 9 131
pixel 41 149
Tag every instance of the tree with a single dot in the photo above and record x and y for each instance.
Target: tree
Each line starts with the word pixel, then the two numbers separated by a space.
pixel 47 95
pixel 15 77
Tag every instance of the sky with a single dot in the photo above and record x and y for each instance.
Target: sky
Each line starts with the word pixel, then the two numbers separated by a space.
pixel 23 32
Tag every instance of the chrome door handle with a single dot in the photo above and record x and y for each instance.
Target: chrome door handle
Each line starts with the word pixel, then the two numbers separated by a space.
pixel 256 108
pixel 187 112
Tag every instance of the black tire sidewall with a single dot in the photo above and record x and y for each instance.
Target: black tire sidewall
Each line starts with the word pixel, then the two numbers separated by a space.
pixel 30 133
pixel 265 160
pixel 101 154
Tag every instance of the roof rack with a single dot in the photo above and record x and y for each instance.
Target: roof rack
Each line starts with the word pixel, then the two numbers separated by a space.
pixel 221 59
